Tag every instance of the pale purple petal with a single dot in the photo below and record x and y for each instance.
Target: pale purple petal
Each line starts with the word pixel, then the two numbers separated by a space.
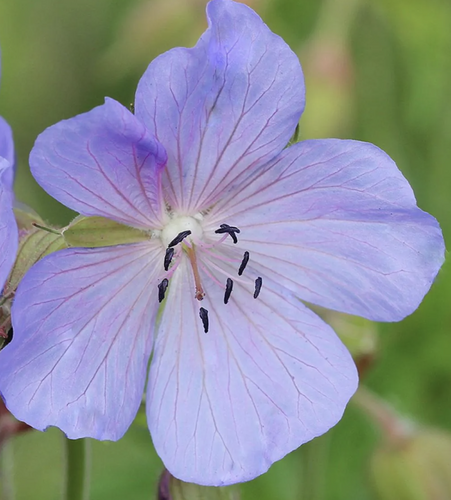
pixel 8 227
pixel 336 222
pixel 83 322
pixel 228 104
pixel 103 163
pixel 269 375
pixel 6 143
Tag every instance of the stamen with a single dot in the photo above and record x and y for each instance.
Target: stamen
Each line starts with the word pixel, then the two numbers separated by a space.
pixel 203 313
pixel 228 290
pixel 258 287
pixel 243 264
pixel 162 287
pixel 231 230
pixel 223 271
pixel 200 294
pixel 168 257
pixel 179 238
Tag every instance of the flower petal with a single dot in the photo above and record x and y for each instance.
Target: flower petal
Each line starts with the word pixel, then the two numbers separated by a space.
pixel 336 222
pixel 268 376
pixel 6 143
pixel 83 322
pixel 104 163
pixel 8 228
pixel 230 103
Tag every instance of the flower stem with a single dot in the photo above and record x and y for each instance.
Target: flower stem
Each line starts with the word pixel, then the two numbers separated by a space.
pixel 77 469
pixel 315 458
pixel 6 470
pixel 395 428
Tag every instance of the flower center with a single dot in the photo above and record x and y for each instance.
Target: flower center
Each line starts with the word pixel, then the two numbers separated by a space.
pixel 183 236
pixel 179 225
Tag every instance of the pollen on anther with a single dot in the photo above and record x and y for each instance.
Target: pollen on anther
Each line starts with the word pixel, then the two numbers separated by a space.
pixel 168 257
pixel 203 313
pixel 179 238
pixel 162 287
pixel 243 263
pixel 228 290
pixel 258 287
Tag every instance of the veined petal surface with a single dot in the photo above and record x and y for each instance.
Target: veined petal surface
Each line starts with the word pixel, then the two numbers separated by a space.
pixel 103 162
pixel 336 222
pixel 269 375
pixel 229 104
pixel 9 235
pixel 83 322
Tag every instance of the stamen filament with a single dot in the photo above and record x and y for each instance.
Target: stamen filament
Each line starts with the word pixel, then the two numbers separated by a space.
pixel 208 273
pixel 220 257
pixel 210 245
pixel 225 273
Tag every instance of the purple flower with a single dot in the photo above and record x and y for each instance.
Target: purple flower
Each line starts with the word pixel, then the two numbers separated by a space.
pixel 246 375
pixel 8 226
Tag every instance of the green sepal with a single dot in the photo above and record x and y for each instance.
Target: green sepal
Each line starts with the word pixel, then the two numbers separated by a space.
pixel 25 216
pixel 94 232
pixel 295 137
pixel 33 246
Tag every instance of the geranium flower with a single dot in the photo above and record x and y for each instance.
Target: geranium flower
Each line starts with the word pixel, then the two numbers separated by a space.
pixel 8 226
pixel 237 230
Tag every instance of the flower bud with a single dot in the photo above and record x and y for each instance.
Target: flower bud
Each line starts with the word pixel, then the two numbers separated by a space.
pixel 417 468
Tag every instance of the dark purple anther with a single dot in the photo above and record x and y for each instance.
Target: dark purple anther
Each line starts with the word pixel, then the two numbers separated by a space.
pixel 228 290
pixel 168 257
pixel 179 238
pixel 162 287
pixel 258 287
pixel 203 313
pixel 243 263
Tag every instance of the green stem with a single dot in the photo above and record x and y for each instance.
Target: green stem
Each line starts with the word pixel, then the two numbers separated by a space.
pixel 394 427
pixel 315 457
pixel 77 469
pixel 336 18
pixel 6 470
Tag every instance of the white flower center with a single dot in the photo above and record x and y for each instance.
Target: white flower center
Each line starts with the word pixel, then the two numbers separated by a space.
pixel 178 225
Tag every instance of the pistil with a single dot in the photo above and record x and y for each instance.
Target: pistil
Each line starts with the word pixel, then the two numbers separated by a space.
pixel 200 294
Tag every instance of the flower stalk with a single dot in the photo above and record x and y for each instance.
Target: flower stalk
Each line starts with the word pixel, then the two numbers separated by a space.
pixel 78 465
pixel 393 426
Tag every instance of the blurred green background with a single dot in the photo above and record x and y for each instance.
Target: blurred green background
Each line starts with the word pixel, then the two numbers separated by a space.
pixel 378 71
